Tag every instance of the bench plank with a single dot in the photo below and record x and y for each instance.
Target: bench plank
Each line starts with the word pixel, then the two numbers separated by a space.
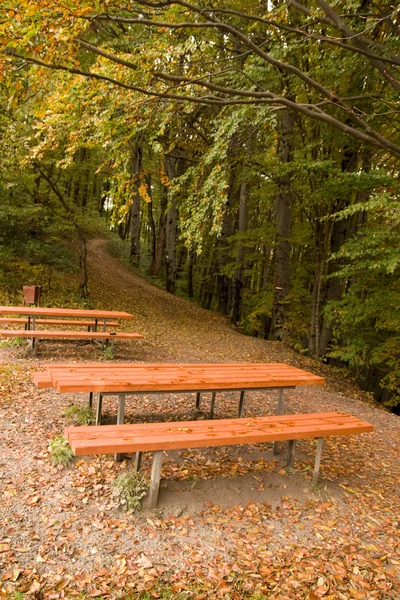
pixel 64 312
pixel 61 322
pixel 140 437
pixel 24 333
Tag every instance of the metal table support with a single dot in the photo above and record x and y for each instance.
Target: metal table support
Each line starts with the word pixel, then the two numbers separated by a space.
pixel 122 398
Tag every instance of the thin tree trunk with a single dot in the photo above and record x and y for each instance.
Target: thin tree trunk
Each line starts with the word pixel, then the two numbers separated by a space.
pixel 135 208
pixel 223 249
pixel 83 272
pixel 191 259
pixel 283 208
pixel 170 230
pixel 242 227
pixel 152 224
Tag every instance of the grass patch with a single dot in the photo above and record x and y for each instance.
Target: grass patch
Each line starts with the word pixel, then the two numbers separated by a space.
pixel 107 353
pixel 60 451
pixel 82 415
pixel 129 489
pixel 16 342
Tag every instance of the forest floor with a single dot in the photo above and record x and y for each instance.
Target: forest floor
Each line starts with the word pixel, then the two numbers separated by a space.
pixel 232 522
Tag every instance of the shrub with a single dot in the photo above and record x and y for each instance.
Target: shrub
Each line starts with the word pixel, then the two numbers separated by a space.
pixel 60 451
pixel 130 488
pixel 82 415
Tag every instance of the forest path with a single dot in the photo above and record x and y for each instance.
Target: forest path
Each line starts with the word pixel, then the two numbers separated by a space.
pixel 174 328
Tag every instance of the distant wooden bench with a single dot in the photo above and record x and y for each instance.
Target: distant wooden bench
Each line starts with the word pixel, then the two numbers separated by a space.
pixel 58 322
pixel 33 334
pixel 157 437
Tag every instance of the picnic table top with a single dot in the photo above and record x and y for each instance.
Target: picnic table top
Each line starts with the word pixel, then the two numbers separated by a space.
pixel 127 377
pixel 36 311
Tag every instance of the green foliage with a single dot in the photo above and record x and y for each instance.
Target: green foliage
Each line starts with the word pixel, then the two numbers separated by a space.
pixel 107 353
pixel 129 489
pixel 16 595
pixel 16 342
pixel 367 319
pixel 82 415
pixel 60 451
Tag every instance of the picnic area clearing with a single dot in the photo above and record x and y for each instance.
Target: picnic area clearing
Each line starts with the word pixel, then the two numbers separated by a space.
pixel 230 520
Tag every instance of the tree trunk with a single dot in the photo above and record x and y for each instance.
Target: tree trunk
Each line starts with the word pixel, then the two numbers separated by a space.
pixel 170 230
pixel 223 249
pixel 283 208
pixel 83 272
pixel 190 271
pixel 340 233
pixel 152 225
pixel 135 208
pixel 238 280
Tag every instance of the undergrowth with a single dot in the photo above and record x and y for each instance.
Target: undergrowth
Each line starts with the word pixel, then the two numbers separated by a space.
pixel 129 489
pixel 60 451
pixel 82 415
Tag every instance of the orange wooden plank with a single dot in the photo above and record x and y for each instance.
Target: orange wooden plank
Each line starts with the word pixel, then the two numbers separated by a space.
pixel 100 386
pixel 177 377
pixel 62 322
pixel 69 334
pixel 158 427
pixel 64 312
pixel 197 434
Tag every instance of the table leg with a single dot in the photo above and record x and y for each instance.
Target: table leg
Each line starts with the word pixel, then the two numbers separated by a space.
pixel 138 462
pixel 120 419
pixel 104 342
pixel 98 409
pixel 214 394
pixel 90 399
pixel 34 342
pixel 241 404
pixel 198 400
pixel 279 411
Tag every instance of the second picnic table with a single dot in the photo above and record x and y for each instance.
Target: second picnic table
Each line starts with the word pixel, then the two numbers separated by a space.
pixel 30 317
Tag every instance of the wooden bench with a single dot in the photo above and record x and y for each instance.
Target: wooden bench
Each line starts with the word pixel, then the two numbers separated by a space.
pixel 56 322
pixel 34 334
pixel 158 437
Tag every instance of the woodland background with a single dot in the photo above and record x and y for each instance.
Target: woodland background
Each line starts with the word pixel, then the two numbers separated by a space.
pixel 244 155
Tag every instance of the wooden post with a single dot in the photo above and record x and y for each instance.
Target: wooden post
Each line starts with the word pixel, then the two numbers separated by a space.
pixel 155 479
pixel 317 460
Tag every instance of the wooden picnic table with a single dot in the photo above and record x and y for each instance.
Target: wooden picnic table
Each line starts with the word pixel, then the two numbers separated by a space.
pixel 40 315
pixel 123 379
pixel 32 313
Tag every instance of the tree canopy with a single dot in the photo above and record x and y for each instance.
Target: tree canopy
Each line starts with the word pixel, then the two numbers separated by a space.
pixel 247 156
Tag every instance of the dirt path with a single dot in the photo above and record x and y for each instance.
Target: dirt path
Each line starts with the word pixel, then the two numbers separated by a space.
pixel 174 328
pixel 231 521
